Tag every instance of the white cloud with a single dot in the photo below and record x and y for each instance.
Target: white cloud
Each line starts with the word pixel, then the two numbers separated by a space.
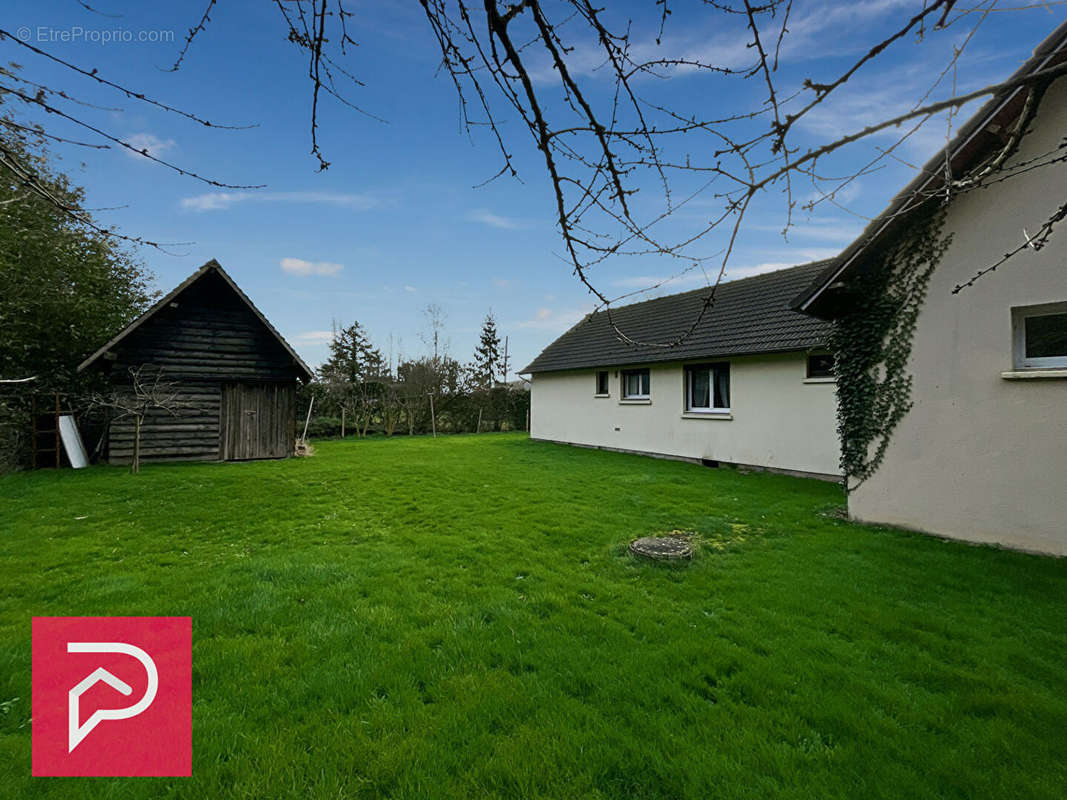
pixel 656 285
pixel 222 201
pixel 828 229
pixel 851 109
pixel 298 266
pixel 495 220
pixel 780 258
pixel 735 273
pixel 802 257
pixel 148 142
pixel 313 337
pixel 834 17
pixel 547 319
pixel 677 282
pixel 409 288
pixel 587 58
pixel 728 45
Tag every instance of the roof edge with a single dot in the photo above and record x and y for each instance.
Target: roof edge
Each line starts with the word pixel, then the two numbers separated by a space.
pixel 158 306
pixel 681 360
pixel 1052 45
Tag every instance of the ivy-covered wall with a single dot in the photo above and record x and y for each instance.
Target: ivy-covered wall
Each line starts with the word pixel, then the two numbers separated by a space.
pixel 872 341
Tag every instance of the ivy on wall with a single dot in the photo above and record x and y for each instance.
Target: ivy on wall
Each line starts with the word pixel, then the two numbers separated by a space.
pixel 872 341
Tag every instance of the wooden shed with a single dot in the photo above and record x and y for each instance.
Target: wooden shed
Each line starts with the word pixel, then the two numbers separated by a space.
pixel 235 375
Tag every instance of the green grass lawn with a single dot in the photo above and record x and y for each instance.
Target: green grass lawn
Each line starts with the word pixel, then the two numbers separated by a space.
pixel 460 618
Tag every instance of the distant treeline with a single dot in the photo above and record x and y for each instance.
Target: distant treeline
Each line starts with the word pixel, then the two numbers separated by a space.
pixel 355 389
pixel 392 412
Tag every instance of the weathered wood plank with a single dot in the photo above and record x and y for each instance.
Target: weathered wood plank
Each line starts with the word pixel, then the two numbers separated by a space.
pixel 152 453
pixel 176 427
pixel 257 421
pixel 207 340
pixel 193 432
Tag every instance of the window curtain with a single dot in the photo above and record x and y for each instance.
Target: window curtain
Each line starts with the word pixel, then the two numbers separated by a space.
pixel 722 387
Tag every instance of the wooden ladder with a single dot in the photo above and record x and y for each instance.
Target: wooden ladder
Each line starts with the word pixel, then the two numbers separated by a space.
pixel 47 446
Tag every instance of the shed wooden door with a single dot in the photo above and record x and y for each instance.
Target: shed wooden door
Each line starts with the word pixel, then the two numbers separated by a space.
pixel 257 421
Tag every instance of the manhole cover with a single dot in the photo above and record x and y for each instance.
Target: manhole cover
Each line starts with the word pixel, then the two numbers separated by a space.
pixel 661 548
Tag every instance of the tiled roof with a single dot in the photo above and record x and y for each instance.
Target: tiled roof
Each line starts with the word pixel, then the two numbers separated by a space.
pixel 749 316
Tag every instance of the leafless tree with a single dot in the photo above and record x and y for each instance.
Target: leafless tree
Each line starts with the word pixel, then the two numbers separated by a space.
pixel 148 391
pixel 433 335
pixel 393 406
pixel 624 160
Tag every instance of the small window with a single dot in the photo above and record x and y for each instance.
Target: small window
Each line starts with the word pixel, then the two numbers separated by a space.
pixel 602 383
pixel 1040 336
pixel 820 365
pixel 707 388
pixel 635 384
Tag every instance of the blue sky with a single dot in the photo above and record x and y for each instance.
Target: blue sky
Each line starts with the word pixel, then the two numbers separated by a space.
pixel 396 222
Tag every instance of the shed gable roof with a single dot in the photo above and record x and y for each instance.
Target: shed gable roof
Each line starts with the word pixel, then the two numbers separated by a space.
pixel 211 267
pixel 749 316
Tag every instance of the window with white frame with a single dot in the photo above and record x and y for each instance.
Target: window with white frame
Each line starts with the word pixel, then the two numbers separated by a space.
pixel 635 384
pixel 602 383
pixel 1040 334
pixel 707 388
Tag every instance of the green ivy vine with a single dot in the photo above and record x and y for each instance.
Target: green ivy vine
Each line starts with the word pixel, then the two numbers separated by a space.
pixel 872 341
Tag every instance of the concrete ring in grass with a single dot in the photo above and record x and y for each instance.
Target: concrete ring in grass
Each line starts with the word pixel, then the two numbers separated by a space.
pixel 662 548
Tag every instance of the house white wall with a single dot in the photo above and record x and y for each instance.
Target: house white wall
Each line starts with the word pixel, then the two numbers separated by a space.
pixel 982 456
pixel 778 419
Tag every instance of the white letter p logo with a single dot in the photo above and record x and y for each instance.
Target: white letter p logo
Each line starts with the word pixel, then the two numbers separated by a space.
pixel 76 732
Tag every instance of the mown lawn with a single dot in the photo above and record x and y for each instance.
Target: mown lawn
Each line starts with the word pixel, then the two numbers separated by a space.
pixel 459 618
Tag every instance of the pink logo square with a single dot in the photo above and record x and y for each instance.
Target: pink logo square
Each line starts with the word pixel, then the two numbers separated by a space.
pixel 112 696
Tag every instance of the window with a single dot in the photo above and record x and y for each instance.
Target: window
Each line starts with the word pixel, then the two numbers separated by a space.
pixel 820 365
pixel 602 383
pixel 635 384
pixel 1040 334
pixel 707 388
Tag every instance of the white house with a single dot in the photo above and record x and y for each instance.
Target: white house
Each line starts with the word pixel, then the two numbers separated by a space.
pixel 982 454
pixel 751 386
